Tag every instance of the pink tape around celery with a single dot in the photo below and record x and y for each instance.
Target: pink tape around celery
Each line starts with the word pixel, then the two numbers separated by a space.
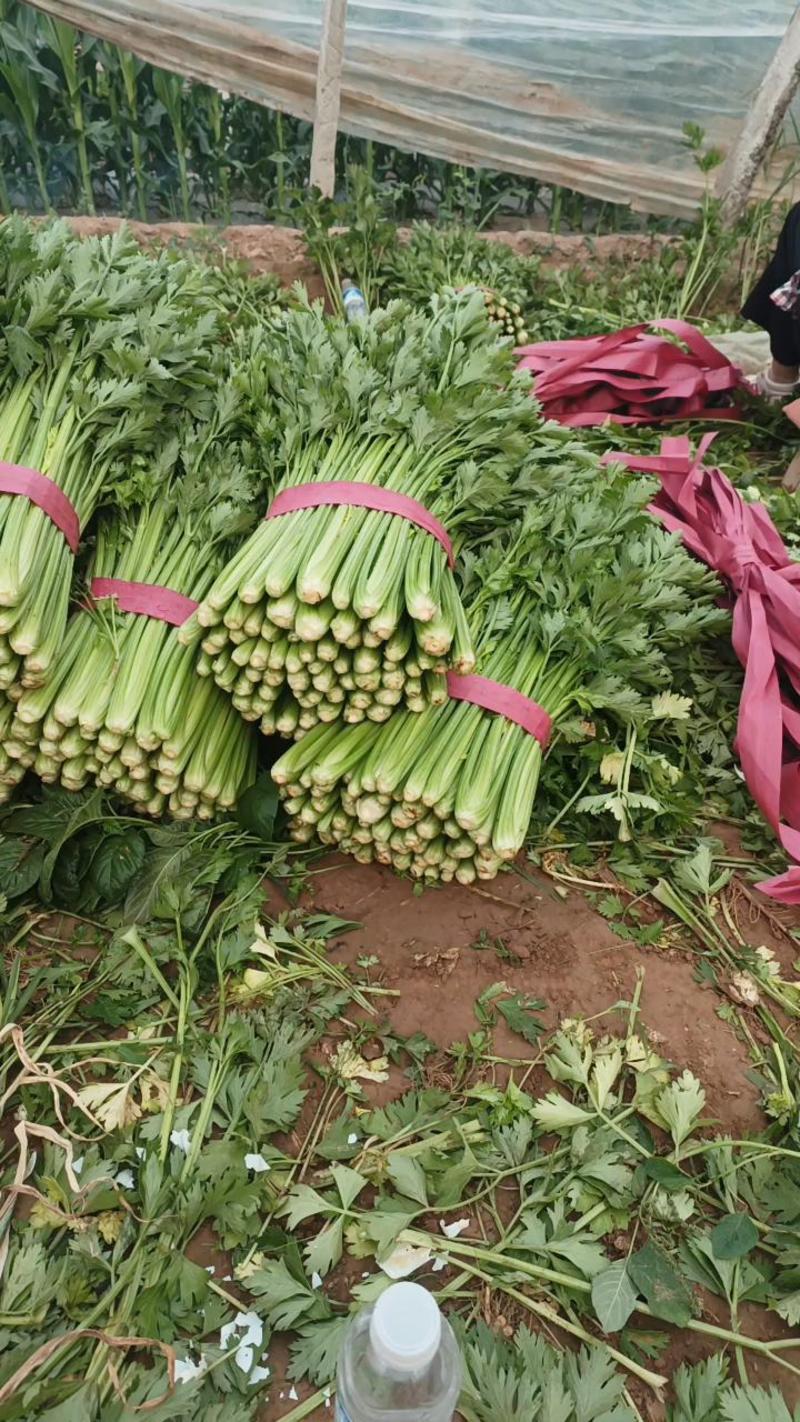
pixel 504 701
pixel 364 496
pixel 148 599
pixel 30 484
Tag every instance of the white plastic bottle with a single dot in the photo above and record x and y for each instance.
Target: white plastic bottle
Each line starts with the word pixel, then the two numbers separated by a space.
pixel 354 302
pixel 400 1361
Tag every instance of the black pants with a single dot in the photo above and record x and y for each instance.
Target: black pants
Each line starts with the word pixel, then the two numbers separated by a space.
pixel 783 327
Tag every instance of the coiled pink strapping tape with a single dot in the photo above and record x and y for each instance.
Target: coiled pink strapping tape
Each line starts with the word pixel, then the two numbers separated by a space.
pixel 504 701
pixel 363 496
pixel 16 479
pixel 148 599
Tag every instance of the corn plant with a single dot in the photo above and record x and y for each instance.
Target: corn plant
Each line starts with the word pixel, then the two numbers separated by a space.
pixel 86 125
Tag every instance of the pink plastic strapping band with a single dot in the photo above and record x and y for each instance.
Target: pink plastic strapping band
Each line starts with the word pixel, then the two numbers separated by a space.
pixel 740 541
pixel 634 376
pixel 16 479
pixel 504 701
pixel 362 496
pixel 148 599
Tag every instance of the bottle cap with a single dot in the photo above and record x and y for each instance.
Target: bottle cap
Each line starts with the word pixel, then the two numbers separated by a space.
pixel 406 1328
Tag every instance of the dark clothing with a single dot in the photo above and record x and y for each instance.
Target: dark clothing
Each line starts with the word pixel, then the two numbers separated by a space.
pixel 783 326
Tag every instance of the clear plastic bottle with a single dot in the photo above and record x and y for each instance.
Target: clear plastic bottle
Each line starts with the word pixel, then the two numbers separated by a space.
pixel 400 1361
pixel 354 302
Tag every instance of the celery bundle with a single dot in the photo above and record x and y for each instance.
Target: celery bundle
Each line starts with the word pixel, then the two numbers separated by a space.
pixel 343 612
pixel 98 343
pixel 574 611
pixel 124 707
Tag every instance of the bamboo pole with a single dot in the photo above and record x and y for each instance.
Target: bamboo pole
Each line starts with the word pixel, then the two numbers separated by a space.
pixel 329 87
pixel 762 124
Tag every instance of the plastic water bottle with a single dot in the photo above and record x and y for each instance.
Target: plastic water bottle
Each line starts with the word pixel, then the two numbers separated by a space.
pixel 354 302
pixel 400 1362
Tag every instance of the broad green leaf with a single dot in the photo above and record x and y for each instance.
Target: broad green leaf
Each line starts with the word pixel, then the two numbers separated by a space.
pixel 585 1253
pixel 116 862
pixel 613 1297
pixel 606 1070
pixel 597 1386
pixel 733 1237
pixel 325 1249
pixel 789 1309
pixel 680 1106
pixel 451 1184
pixel 581 1250
pixel 410 1114
pixel 383 1227
pixel 666 706
pixel 257 807
pixel 755 1404
pixel 570 1059
pixel 315 1352
pixel 303 1204
pixel 349 1184
pixel 77 1408
pixel 555 1113
pixel 407 1175
pixel 282 1298
pixel 20 865
pixel 660 1285
pixel 88 812
pixel 338 1142
pixel 665 1174
pixel 519 1013
pixel 698 1390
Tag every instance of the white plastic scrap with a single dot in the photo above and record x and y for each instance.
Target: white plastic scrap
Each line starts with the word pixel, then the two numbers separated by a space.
pixel 316 1280
pixel 405 1259
pixel 187 1371
pixel 293 1394
pixel 77 1164
pixel 255 1162
pixel 258 1375
pixel 452 1231
pixel 125 1179
pixel 181 1140
pixel 247 1331
pixel 244 1357
pixel 352 1139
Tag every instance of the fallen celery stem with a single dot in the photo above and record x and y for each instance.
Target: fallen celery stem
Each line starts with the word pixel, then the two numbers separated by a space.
pixel 305 1409
pixel 134 940
pixel 714 939
pixel 551 1315
pixel 534 1271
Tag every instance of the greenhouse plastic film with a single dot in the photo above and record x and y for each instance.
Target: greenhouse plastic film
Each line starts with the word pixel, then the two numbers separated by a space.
pixel 592 96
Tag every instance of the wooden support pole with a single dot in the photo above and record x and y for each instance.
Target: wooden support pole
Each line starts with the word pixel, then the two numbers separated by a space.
pixel 329 86
pixel 762 125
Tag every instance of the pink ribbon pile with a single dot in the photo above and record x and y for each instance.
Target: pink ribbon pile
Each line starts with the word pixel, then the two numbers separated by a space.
pixel 741 543
pixel 633 377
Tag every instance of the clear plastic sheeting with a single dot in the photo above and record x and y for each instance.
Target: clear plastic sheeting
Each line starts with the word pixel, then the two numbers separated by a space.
pixel 593 96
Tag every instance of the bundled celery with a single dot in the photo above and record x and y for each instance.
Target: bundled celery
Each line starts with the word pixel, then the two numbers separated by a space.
pixel 574 611
pixel 436 257
pixel 98 343
pixel 124 707
pixel 345 612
